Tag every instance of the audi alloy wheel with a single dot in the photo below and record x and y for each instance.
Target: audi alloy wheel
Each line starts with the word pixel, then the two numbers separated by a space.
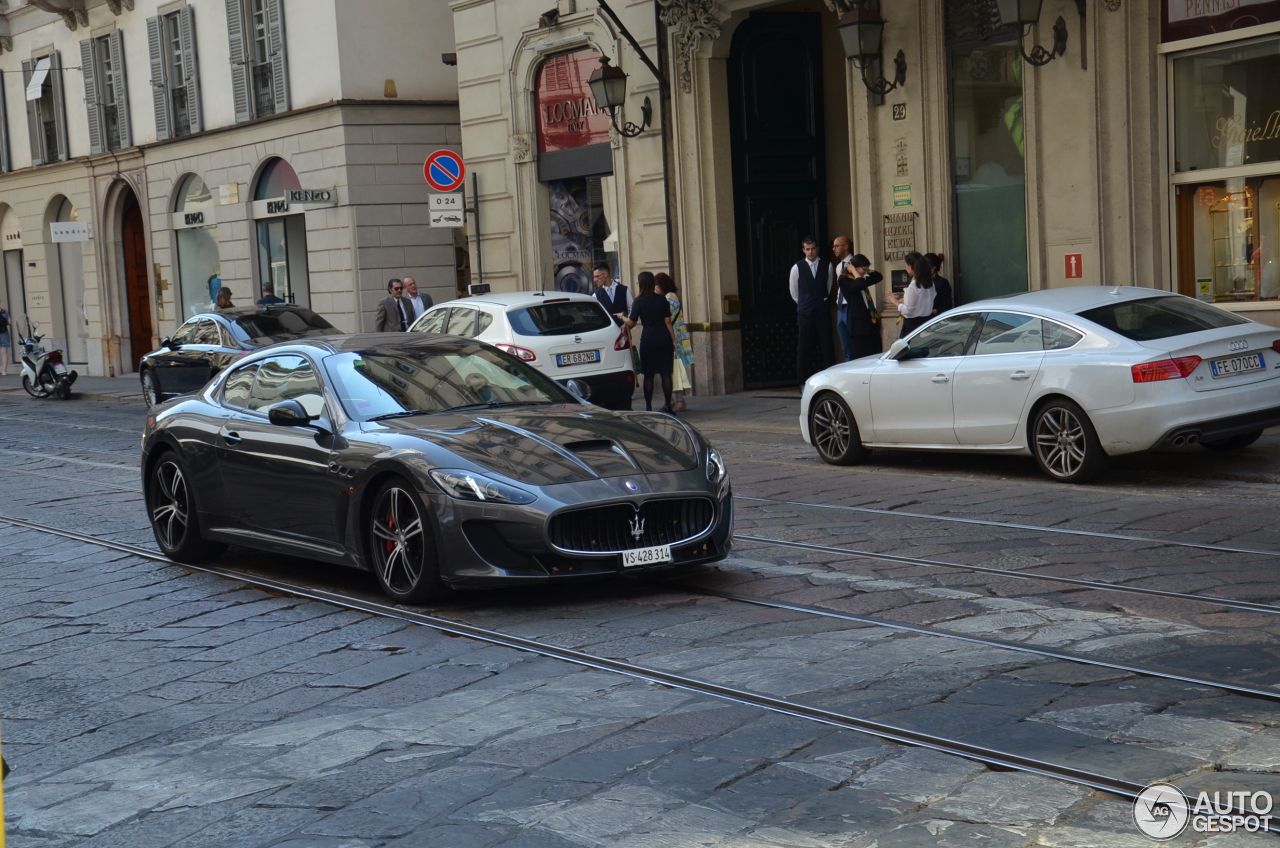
pixel 1065 443
pixel 834 432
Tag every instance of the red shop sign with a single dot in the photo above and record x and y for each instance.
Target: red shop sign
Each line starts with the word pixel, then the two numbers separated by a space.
pixel 567 113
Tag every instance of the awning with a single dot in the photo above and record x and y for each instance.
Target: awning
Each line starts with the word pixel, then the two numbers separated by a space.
pixel 37 78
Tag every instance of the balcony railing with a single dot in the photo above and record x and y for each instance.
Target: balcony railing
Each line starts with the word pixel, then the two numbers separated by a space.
pixel 181 117
pixel 264 98
pixel 111 126
pixel 51 152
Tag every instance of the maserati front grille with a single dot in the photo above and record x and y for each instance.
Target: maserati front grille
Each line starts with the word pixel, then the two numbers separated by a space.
pixel 621 527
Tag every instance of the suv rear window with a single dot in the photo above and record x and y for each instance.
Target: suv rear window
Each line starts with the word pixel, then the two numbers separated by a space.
pixel 560 319
pixel 1160 317
pixel 263 328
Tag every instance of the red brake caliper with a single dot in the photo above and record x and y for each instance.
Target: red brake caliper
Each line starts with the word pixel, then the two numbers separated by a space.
pixel 389 545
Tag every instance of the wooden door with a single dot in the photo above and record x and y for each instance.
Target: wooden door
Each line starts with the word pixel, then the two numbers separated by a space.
pixel 779 176
pixel 137 286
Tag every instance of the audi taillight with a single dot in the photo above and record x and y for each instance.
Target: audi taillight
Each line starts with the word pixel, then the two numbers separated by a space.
pixel 624 342
pixel 1165 369
pixel 518 352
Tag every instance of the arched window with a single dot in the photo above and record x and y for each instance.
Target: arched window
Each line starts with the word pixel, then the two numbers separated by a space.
pixel 199 265
pixel 282 236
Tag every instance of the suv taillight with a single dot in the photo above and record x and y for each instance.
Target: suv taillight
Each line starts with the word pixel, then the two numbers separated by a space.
pixel 1165 369
pixel 518 352
pixel 624 341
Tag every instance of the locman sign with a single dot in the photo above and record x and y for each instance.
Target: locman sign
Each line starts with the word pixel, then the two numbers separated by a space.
pixel 567 113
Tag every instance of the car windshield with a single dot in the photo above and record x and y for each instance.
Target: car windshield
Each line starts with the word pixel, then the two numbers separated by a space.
pixel 1160 317
pixel 559 318
pixel 264 328
pixel 390 380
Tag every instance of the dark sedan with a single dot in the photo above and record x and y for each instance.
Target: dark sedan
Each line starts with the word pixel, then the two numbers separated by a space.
pixel 433 461
pixel 209 342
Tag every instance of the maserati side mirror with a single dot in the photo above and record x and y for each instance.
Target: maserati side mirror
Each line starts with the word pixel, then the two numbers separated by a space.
pixel 288 413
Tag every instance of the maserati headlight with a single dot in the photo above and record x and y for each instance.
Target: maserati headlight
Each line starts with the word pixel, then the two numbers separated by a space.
pixel 467 486
pixel 716 470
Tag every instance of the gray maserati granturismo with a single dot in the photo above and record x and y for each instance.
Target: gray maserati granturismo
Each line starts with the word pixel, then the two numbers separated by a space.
pixel 436 462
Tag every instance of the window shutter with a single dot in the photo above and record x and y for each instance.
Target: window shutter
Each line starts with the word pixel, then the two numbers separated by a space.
pixel 59 109
pixel 159 78
pixel 89 70
pixel 279 67
pixel 239 54
pixel 6 164
pixel 34 128
pixel 187 35
pixel 115 43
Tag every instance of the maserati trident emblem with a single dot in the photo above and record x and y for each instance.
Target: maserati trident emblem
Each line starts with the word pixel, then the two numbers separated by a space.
pixel 632 486
pixel 637 528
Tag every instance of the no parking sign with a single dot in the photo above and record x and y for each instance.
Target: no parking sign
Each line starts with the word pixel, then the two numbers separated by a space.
pixel 444 170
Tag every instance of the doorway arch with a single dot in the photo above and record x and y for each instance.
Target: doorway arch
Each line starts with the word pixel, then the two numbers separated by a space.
pixel 137 286
pixel 65 260
pixel 13 292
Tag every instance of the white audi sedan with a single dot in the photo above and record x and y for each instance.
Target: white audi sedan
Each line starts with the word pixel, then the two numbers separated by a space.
pixel 1069 376
pixel 565 336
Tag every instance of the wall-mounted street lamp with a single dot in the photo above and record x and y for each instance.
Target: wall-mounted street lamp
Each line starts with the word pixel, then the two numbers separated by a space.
pixel 609 87
pixel 1026 14
pixel 862 31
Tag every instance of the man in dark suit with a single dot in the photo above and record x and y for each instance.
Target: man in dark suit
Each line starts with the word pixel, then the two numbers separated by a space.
pixel 614 297
pixel 393 310
pixel 862 318
pixel 812 281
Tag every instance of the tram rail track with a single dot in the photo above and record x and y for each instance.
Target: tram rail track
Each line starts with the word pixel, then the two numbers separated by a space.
pixel 990 757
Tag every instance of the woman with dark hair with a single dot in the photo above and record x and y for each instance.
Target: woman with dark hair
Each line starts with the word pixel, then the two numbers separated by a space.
pixel 657 341
pixel 915 305
pixel 943 300
pixel 855 282
pixel 224 298
pixel 665 286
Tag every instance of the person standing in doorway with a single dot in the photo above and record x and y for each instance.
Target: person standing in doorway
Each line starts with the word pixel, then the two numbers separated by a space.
pixel 421 302
pixel 393 310
pixel 863 320
pixel 657 339
pixel 613 296
pixel 269 296
pixel 840 250
pixel 812 279
pixel 944 299
pixel 6 343
pixel 915 304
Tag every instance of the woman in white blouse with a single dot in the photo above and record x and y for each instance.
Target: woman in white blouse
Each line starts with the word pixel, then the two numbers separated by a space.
pixel 915 304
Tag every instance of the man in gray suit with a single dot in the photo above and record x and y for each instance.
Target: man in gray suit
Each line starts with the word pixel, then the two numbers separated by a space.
pixel 393 310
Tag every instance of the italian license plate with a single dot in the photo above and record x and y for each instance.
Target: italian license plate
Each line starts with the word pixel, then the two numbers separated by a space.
pixel 1237 365
pixel 582 358
pixel 60 368
pixel 646 556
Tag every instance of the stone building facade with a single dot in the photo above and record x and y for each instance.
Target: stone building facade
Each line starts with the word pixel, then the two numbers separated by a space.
pixel 149 152
pixel 1145 151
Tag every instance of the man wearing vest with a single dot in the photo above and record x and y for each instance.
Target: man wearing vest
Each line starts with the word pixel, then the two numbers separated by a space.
pixel 812 279
pixel 615 297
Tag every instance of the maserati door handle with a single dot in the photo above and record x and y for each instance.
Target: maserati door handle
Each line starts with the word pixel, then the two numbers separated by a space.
pixel 1019 375
pixel 231 438
pixel 941 378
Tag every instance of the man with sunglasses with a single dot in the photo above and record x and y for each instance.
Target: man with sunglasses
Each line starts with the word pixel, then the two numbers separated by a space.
pixel 393 310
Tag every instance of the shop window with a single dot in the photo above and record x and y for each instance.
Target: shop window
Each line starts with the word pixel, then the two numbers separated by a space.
pixel 1228 234
pixel 281 236
pixel 583 210
pixel 46 112
pixel 199 264
pixel 1227 107
pixel 175 82
pixel 259 72
pixel 106 95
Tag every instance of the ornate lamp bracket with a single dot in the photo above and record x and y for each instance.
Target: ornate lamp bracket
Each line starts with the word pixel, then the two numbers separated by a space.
pixel 1039 57
pixel 630 130
pixel 881 86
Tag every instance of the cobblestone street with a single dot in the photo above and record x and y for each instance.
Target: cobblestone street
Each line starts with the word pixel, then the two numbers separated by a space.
pixel 145 704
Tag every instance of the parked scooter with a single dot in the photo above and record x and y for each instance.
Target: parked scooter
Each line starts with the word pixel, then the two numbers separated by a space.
pixel 43 371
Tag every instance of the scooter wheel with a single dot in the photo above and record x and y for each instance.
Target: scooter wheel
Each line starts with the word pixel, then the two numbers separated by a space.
pixel 63 391
pixel 34 390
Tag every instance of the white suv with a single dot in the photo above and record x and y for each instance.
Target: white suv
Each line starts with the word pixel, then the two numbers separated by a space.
pixel 566 336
